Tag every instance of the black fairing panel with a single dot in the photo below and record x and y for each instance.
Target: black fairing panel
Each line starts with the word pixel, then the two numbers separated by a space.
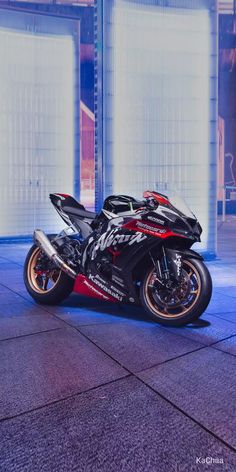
pixel 70 206
pixel 189 253
pixel 79 212
pixel 65 200
pixel 121 203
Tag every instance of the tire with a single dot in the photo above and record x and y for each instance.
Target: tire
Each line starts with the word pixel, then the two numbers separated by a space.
pixel 201 296
pixel 62 284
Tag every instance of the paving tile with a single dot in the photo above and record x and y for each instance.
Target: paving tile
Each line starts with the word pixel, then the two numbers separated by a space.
pixel 20 289
pixel 138 345
pixel 229 316
pixel 4 289
pixel 220 304
pixel 224 279
pixel 13 305
pixel 11 270
pixel 18 286
pixel 202 384
pixel 78 311
pixel 14 252
pixel 121 427
pixel 12 277
pixel 207 330
pixel 24 325
pixel 230 291
pixel 38 369
pixel 223 275
pixel 228 345
pixel 8 265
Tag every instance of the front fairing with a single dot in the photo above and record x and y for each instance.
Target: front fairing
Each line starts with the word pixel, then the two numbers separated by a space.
pixel 169 214
pixel 177 217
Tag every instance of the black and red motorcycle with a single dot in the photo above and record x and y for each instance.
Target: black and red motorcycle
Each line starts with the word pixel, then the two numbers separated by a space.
pixel 133 251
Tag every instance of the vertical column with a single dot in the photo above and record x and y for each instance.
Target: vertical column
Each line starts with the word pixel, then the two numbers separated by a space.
pixel 156 122
pixel 76 37
pixel 98 103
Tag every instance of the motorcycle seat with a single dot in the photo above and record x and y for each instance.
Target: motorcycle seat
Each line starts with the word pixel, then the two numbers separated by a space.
pixel 79 212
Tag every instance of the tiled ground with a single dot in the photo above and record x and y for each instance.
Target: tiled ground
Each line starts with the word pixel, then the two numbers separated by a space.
pixel 88 386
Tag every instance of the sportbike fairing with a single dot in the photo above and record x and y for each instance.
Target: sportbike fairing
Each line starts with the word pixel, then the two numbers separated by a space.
pixel 133 251
pixel 128 228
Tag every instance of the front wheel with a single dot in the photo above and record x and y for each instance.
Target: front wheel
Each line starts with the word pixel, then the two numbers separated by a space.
pixel 183 303
pixel 45 283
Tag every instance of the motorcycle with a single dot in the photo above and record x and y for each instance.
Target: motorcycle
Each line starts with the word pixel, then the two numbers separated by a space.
pixel 133 251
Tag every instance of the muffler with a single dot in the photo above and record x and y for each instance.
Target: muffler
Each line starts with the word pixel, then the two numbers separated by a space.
pixel 44 243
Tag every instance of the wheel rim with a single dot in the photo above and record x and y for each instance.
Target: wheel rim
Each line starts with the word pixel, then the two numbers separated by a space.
pixel 41 281
pixel 169 306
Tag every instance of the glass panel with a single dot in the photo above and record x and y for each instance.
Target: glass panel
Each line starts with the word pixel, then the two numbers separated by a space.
pixel 157 93
pixel 36 128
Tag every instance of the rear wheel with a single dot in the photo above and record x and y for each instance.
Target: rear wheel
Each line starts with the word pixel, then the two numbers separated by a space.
pixel 45 283
pixel 182 304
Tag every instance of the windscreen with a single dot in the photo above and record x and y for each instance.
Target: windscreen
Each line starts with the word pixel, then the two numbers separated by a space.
pixel 179 203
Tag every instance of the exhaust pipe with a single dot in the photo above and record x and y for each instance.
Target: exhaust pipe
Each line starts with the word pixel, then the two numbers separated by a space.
pixel 44 243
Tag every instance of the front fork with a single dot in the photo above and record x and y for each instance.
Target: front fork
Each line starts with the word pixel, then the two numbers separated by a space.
pixel 169 266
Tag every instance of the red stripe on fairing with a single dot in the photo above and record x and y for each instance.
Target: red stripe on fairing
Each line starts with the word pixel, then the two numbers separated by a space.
pixel 86 287
pixel 65 195
pixel 133 226
pixel 157 197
